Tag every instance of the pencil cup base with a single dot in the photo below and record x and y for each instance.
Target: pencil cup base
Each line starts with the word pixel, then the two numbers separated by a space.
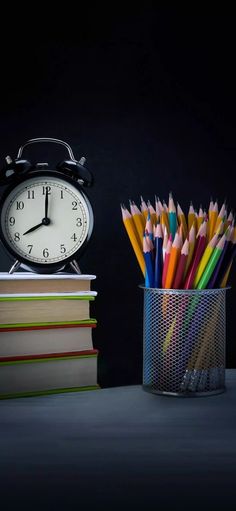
pixel 146 388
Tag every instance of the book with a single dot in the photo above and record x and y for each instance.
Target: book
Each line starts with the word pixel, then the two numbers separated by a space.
pixel 37 339
pixel 47 307
pixel 28 376
pixel 42 283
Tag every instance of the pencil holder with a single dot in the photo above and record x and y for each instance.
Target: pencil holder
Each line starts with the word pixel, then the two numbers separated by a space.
pixel 184 341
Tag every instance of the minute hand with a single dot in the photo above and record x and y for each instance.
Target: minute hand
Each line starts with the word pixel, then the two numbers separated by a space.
pixel 33 228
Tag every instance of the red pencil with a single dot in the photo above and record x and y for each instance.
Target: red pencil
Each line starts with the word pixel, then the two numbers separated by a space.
pixel 200 247
pixel 166 261
pixel 179 276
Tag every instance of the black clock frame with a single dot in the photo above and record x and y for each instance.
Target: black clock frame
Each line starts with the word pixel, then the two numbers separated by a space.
pixel 47 267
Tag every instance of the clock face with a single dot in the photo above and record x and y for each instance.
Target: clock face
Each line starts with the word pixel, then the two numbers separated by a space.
pixel 45 220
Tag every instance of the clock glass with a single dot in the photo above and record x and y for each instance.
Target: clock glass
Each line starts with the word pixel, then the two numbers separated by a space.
pixel 45 220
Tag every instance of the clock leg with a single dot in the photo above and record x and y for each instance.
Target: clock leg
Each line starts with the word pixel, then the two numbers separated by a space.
pixel 75 266
pixel 15 266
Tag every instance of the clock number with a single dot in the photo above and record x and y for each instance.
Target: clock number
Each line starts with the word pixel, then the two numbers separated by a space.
pixel 62 195
pixel 74 204
pixel 12 221
pixel 48 188
pixel 30 248
pixel 73 237
pixel 45 252
pixel 20 204
pixel 78 222
pixel 17 236
pixel 63 248
pixel 30 194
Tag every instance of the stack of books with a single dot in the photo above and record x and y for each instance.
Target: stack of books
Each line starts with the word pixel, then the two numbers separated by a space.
pixel 46 343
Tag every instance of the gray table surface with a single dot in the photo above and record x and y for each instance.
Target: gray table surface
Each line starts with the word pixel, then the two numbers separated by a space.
pixel 119 448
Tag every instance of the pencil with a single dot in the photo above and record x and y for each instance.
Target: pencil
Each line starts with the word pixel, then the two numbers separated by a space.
pixel 214 280
pixel 165 241
pixel 173 261
pixel 205 258
pixel 191 216
pixel 166 261
pixel 212 263
pixel 192 241
pixel 144 208
pixel 200 247
pixel 220 218
pixel 133 237
pixel 148 262
pixel 182 221
pixel 138 221
pixel 212 220
pixel 152 213
pixel 179 276
pixel 172 216
pixel 158 257
pixel 200 218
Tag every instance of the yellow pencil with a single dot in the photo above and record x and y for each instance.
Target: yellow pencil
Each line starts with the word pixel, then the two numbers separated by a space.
pixel 212 220
pixel 182 221
pixel 152 213
pixel 138 221
pixel 133 237
pixel 220 218
pixel 191 217
pixel 144 209
pixel 200 218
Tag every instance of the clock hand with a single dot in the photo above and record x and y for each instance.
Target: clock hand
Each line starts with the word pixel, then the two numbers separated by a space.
pixel 46 204
pixel 45 221
pixel 33 228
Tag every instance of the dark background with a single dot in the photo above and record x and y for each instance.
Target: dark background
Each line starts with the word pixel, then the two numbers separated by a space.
pixel 148 96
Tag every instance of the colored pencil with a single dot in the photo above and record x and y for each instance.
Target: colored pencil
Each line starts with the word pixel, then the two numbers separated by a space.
pixel 200 247
pixel 172 216
pixel 179 276
pixel 212 264
pixel 158 257
pixel 166 260
pixel 173 261
pixel 133 237
pixel 205 258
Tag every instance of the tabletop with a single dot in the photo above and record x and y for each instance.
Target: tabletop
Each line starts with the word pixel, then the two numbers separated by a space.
pixel 119 448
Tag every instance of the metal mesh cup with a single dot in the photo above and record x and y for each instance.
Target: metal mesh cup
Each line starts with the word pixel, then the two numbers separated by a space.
pixel 184 341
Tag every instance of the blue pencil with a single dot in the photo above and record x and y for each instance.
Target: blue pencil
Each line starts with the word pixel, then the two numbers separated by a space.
pixel 148 256
pixel 158 256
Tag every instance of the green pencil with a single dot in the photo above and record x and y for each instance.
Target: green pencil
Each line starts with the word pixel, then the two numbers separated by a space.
pixel 202 284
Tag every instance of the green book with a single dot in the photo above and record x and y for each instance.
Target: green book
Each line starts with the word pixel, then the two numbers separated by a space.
pixel 45 307
pixel 50 374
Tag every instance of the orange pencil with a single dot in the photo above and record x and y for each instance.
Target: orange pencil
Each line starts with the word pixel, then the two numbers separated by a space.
pixel 173 261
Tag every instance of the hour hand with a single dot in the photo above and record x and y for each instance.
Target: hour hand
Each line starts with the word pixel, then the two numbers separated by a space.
pixel 33 228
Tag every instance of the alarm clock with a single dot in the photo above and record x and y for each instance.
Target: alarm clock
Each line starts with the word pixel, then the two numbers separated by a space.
pixel 46 218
